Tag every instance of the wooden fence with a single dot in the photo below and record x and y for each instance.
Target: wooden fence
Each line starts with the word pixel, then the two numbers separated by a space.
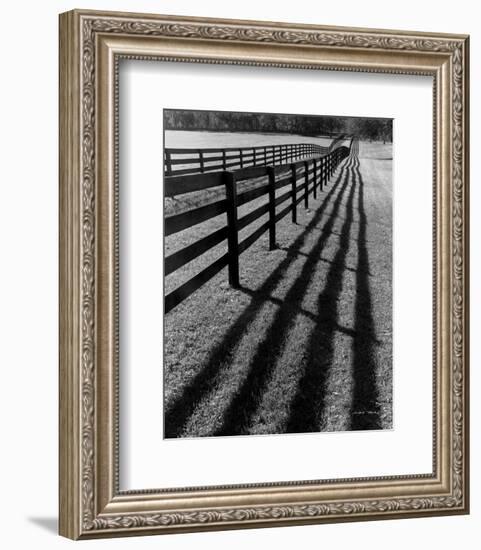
pixel 302 178
pixel 194 161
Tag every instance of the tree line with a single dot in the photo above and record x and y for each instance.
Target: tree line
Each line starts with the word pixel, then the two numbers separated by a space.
pixel 373 129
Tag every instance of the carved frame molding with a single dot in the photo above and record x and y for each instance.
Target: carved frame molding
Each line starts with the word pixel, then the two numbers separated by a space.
pixel 91 43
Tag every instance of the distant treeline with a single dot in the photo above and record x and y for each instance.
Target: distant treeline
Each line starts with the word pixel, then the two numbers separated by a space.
pixel 310 125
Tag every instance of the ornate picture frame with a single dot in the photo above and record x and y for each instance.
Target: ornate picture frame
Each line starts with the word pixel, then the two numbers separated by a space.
pixel 91 45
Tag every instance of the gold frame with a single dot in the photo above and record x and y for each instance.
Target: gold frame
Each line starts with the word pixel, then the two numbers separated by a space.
pixel 90 45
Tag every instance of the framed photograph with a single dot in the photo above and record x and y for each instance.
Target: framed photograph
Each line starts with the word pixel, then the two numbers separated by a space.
pixel 263 274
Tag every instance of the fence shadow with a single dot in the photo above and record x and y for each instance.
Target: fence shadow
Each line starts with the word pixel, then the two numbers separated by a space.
pixel 181 409
pixel 244 404
pixel 365 411
pixel 308 403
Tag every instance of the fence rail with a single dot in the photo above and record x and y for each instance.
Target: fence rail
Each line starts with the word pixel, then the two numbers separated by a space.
pixel 178 162
pixel 303 177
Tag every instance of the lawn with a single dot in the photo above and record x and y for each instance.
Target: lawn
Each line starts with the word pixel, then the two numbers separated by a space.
pixel 306 343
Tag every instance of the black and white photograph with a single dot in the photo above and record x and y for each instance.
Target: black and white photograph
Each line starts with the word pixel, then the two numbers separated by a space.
pixel 277 273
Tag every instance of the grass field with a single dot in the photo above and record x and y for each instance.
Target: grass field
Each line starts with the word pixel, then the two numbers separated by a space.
pixel 186 139
pixel 306 343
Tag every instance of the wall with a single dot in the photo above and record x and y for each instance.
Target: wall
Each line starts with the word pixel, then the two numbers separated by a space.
pixel 28 289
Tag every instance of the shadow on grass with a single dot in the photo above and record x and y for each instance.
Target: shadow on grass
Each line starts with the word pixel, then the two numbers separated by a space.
pixel 324 260
pixel 180 410
pixel 365 411
pixel 244 404
pixel 308 403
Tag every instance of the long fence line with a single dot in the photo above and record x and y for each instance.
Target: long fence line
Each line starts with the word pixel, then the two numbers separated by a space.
pixel 193 161
pixel 337 141
pixel 303 178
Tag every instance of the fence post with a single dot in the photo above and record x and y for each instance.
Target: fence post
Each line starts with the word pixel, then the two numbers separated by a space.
pixel 255 156
pixel 315 178
pixel 201 160
pixel 232 228
pixel 306 184
pixel 241 158
pixel 168 163
pixel 224 162
pixel 321 175
pixel 272 207
pixel 294 192
pixel 265 155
